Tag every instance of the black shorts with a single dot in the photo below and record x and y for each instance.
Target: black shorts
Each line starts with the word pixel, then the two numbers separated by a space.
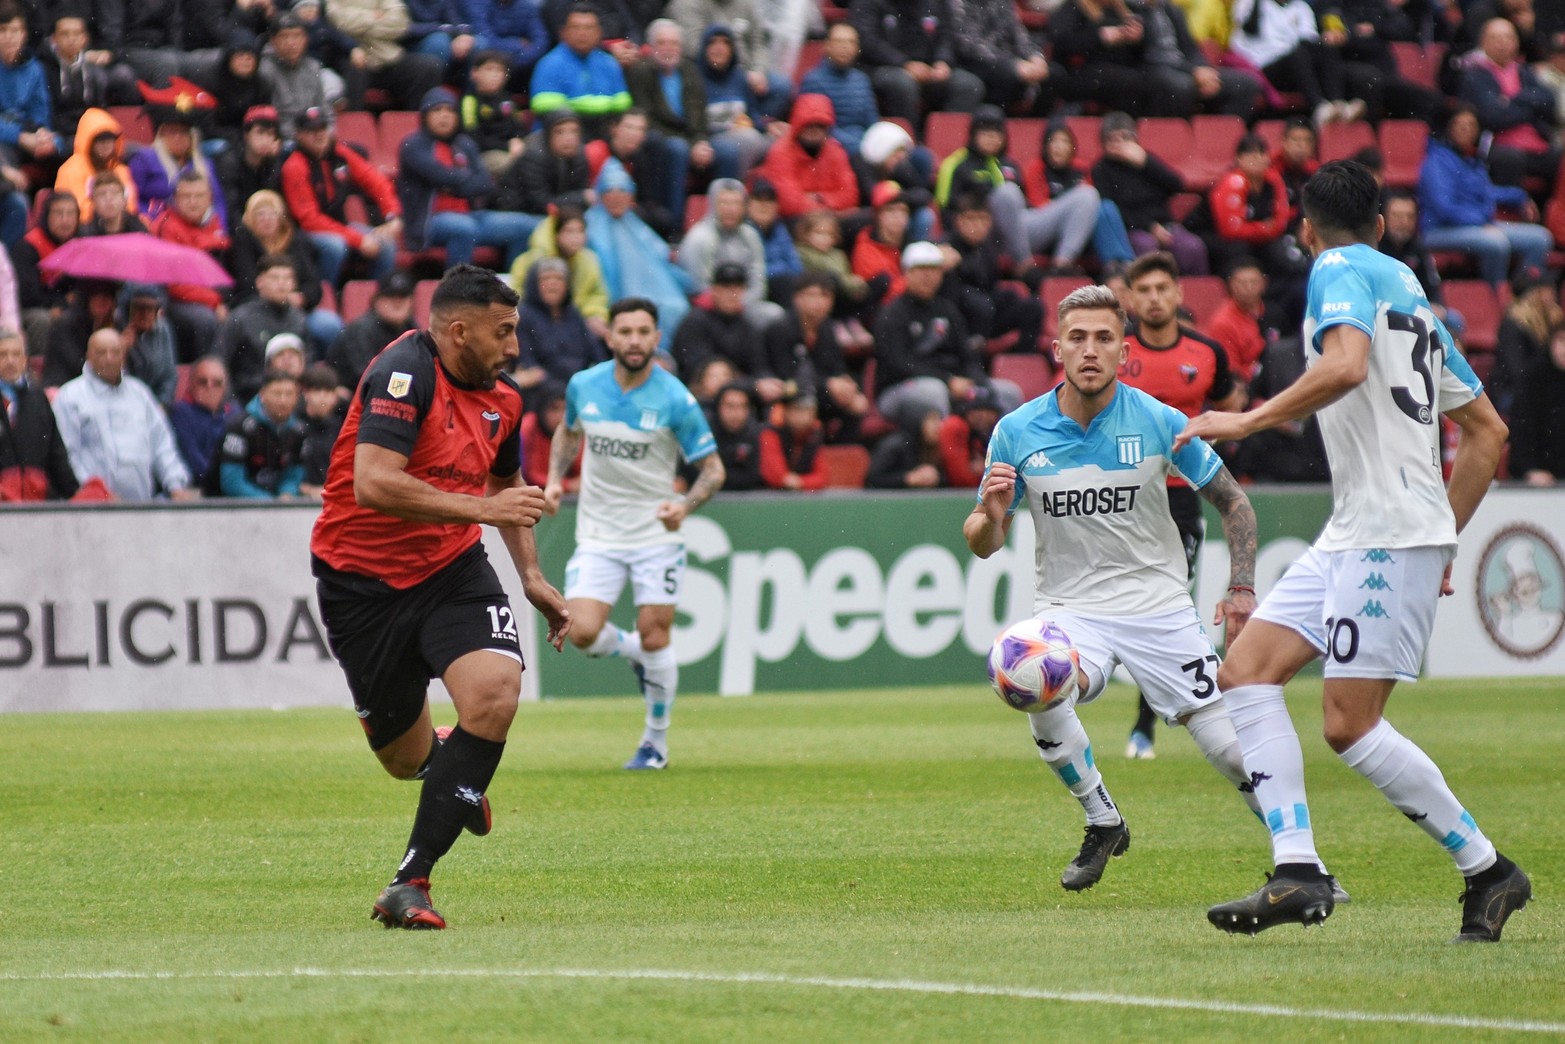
pixel 391 643
pixel 1184 504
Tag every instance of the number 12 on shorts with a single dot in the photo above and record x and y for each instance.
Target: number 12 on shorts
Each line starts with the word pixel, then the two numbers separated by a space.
pixel 501 622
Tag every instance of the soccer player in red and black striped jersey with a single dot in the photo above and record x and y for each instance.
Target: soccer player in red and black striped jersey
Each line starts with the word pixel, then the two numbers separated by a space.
pixel 1187 371
pixel 431 451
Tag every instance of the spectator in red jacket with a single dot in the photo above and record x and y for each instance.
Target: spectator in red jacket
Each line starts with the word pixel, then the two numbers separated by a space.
pixel 1237 324
pixel 877 252
pixel 192 221
pixel 318 178
pixel 964 437
pixel 809 168
pixel 791 455
pixel 1249 209
pixel 1295 161
pixel 538 428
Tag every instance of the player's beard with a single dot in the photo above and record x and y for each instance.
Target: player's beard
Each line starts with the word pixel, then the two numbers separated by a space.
pixel 646 360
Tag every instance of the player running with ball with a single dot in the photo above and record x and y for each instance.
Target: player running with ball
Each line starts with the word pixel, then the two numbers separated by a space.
pixel 1091 459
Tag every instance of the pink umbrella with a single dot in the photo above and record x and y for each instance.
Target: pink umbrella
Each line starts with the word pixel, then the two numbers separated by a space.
pixel 135 257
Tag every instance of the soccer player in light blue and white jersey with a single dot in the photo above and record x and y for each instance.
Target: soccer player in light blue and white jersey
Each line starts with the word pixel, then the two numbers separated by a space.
pixel 1091 461
pixel 636 421
pixel 1382 370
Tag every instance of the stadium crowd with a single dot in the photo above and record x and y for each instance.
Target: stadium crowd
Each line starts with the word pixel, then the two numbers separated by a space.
pixel 856 221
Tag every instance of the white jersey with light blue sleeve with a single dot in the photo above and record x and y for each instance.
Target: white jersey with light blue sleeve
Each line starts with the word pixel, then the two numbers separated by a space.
pixel 631 445
pixel 1105 542
pixel 1383 438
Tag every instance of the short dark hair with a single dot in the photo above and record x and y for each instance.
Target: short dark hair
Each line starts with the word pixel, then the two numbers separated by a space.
pixel 188 175
pixel 580 8
pixel 1252 142
pixel 634 110
pixel 468 286
pixel 818 278
pixel 10 11
pixel 1342 199
pixel 66 14
pixel 1157 261
pixel 633 304
pixel 271 261
pixel 1299 123
pixel 322 376
pixel 967 202
pixel 273 376
pixel 1397 195
pixel 1240 263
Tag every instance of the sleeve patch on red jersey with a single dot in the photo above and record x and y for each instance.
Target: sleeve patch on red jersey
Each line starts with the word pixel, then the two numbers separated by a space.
pixel 403 411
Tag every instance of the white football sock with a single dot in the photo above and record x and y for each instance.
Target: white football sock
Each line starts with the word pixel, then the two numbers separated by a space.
pixel 1214 734
pixel 1275 764
pixel 1065 748
pixel 660 673
pixel 1413 783
pixel 612 641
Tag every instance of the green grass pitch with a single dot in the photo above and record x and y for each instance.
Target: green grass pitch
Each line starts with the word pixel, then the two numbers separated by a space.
pixel 837 866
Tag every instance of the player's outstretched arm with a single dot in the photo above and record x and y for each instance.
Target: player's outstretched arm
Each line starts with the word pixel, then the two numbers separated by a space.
pixel 1238 519
pixel 1343 366
pixel 1477 456
pixel 523 547
pixel 986 528
pixel 672 513
pixel 562 451
pixel 381 483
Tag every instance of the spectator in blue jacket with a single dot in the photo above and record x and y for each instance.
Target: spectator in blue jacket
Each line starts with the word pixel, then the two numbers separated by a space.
pixel 201 416
pixel 262 454
pixel 443 187
pixel 839 78
pixel 782 257
pixel 579 75
pixel 26 133
pixel 512 26
pixel 555 342
pixel 1458 201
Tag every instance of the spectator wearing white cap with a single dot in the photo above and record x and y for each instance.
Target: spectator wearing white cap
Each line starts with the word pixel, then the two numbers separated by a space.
pixel 924 353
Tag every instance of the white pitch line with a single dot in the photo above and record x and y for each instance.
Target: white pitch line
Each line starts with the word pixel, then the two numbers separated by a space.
pixel 1120 1000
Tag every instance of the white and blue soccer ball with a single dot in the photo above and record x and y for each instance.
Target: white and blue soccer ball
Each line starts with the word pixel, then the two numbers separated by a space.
pixel 1032 665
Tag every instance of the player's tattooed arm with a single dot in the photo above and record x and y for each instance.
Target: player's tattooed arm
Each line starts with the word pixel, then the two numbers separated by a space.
pixel 1233 611
pixel 562 451
pixel 1238 518
pixel 709 481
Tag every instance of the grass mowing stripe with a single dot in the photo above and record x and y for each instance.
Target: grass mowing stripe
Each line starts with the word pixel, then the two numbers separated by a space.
pixel 883 985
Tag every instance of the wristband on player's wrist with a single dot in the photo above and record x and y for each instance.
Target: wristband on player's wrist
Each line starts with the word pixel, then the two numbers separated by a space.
pixel 1245 588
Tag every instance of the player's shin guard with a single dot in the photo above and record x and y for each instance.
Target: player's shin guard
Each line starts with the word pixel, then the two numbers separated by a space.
pixel 1275 763
pixel 1413 783
pixel 1214 735
pixel 660 684
pixel 1065 748
pixel 458 775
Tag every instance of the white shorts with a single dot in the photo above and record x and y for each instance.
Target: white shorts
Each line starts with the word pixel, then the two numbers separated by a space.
pixel 1167 654
pixel 1369 612
pixel 656 574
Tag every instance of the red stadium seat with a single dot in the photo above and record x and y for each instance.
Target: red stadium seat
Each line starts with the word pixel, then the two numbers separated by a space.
pixel 1216 143
pixel 393 128
pixel 945 132
pixel 1032 373
pixel 329 298
pixel 1342 140
pixel 810 55
pixel 695 209
pixel 182 381
pixel 1172 141
pixel 1419 63
pixel 1204 295
pixel 423 293
pixel 356 296
pixel 1089 138
pixel 846 466
pixel 1482 364
pixel 1271 132
pixel 358 128
pixel 1477 302
pixel 1024 138
pixel 1053 290
pixel 1403 143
